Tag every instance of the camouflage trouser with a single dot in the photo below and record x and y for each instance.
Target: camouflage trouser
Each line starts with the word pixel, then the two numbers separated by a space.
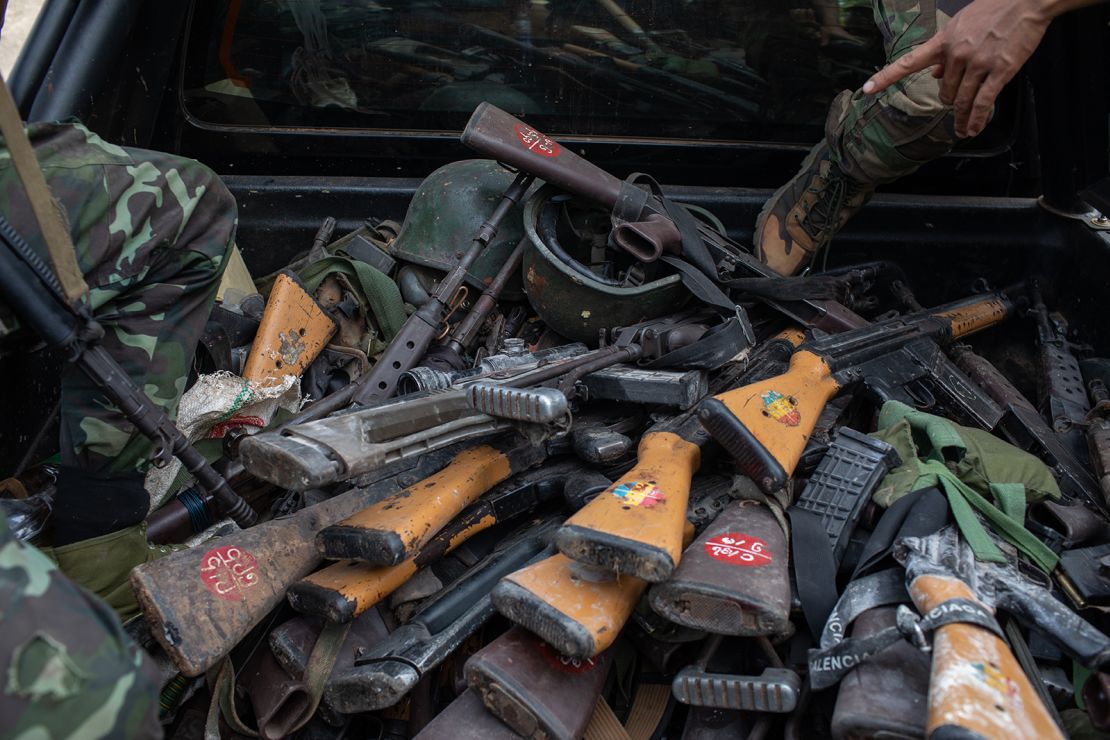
pixel 68 668
pixel 152 232
pixel 876 139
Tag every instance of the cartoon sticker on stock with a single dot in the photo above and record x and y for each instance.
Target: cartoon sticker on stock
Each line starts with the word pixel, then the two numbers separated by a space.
pixel 639 493
pixel 536 142
pixel 783 409
pixel 735 548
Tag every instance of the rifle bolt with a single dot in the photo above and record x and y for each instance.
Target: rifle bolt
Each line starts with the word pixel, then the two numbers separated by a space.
pixel 1100 221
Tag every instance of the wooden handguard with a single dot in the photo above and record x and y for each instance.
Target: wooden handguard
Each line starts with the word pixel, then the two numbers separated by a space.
pixel 976 689
pixel 293 332
pixel 635 525
pixel 395 529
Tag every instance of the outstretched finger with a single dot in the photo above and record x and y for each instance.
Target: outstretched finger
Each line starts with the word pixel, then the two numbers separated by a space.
pixel 923 56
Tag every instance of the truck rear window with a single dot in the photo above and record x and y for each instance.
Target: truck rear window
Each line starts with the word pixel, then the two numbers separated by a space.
pixel 753 70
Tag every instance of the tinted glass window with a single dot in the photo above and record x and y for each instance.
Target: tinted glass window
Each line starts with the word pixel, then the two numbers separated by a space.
pixel 676 69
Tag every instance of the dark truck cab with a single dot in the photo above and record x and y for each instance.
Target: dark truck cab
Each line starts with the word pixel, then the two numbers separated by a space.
pixel 340 108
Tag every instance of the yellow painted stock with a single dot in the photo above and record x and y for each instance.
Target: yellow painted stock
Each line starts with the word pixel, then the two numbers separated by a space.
pixel 976 683
pixel 292 333
pixel 782 411
pixel 647 505
pixel 364 584
pixel 974 317
pixel 419 511
pixel 597 606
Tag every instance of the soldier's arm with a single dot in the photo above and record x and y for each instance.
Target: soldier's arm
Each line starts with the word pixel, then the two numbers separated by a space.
pixel 977 53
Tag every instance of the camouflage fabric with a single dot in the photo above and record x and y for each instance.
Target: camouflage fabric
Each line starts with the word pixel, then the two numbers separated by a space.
pixel 68 668
pixel 152 232
pixel 879 138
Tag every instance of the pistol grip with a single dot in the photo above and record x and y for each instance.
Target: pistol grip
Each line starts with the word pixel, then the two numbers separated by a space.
pixel 765 425
pixel 635 526
pixel 576 611
pixel 977 688
pixel 395 528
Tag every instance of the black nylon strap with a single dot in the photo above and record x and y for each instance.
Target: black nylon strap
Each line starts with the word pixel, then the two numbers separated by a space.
pixel 827 667
pixel 878 589
pixel 917 514
pixel 693 246
pixel 814 567
pixel 716 347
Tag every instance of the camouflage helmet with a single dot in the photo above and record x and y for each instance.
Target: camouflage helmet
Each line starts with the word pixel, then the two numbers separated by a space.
pixel 573 298
pixel 445 214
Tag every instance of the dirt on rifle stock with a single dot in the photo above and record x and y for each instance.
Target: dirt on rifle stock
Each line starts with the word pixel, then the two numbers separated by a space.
pixel 200 602
pixel 396 528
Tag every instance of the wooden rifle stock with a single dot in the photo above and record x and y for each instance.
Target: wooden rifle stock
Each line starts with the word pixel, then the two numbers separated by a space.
pixel 765 425
pixel 344 590
pixel 498 135
pixel 635 525
pixel 577 609
pixel 977 688
pixel 393 530
pixel 201 602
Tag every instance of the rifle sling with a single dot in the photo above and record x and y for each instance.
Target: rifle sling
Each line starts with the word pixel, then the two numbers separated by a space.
pixel 317 671
pixel 47 212
pixel 715 348
pixel 827 666
pixel 917 514
pixel 696 266
pixel 649 705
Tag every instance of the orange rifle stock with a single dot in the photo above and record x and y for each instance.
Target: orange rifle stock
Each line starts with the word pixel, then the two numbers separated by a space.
pixel 977 689
pixel 393 530
pixel 635 525
pixel 345 589
pixel 765 425
pixel 577 609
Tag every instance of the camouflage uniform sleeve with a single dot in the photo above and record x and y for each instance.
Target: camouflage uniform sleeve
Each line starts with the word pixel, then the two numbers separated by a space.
pixel 152 232
pixel 880 138
pixel 68 669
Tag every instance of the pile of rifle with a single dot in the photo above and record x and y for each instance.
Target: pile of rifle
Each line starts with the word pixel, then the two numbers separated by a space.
pixel 671 535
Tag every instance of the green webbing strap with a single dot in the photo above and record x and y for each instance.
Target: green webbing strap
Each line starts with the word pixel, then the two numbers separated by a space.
pixel 320 664
pixel 47 212
pixel 964 501
pixel 382 296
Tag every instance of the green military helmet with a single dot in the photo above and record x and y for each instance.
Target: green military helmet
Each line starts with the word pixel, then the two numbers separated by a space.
pixel 445 214
pixel 570 289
